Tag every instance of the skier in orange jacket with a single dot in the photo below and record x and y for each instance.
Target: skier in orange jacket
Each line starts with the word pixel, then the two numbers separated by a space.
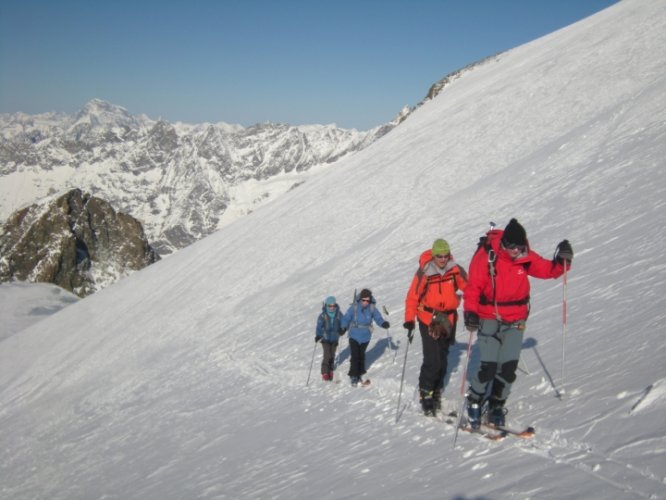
pixel 433 298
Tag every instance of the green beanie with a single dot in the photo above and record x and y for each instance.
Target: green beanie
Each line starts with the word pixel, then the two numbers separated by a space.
pixel 440 247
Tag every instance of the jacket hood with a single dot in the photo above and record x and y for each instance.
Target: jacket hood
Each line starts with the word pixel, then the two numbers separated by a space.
pixel 324 308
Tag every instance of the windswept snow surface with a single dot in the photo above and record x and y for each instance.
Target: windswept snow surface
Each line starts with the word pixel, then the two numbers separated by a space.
pixel 188 378
pixel 22 304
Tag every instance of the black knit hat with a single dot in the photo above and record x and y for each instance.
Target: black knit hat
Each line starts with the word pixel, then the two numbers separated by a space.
pixel 514 234
pixel 365 294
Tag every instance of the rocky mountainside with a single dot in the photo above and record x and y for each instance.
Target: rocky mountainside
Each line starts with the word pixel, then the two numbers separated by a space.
pixel 182 181
pixel 75 240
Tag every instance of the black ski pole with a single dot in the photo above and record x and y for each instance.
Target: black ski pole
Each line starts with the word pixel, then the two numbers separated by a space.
pixel 311 363
pixel 463 404
pixel 410 334
pixel 388 335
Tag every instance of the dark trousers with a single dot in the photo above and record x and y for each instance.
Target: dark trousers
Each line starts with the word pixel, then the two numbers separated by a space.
pixel 328 361
pixel 435 360
pixel 357 361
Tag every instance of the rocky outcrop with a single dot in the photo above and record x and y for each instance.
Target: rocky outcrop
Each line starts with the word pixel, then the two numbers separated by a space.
pixel 74 240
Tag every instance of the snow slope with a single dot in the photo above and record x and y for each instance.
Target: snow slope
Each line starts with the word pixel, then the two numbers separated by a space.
pixel 188 379
pixel 22 304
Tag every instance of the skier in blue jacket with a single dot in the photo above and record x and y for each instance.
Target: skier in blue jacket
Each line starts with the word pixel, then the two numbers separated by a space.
pixel 358 320
pixel 328 332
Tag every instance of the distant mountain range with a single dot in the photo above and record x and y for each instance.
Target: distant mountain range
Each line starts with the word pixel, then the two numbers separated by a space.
pixel 181 181
pixel 89 198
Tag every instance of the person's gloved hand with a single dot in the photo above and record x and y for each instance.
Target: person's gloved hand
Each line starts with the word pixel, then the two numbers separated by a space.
pixel 342 331
pixel 317 339
pixel 386 325
pixel 409 325
pixel 471 321
pixel 564 252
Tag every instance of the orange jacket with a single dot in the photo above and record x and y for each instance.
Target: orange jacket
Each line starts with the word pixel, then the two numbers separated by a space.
pixel 434 289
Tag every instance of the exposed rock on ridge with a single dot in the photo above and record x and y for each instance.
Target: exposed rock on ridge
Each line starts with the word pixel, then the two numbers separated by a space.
pixel 74 240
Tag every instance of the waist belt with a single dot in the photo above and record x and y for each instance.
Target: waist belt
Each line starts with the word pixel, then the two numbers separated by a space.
pixel 483 300
pixel 447 311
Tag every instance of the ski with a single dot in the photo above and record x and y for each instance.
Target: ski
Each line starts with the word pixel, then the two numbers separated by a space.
pixel 526 433
pixel 447 418
pixel 492 435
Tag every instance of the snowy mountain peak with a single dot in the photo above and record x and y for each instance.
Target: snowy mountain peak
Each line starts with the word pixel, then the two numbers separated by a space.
pixel 102 111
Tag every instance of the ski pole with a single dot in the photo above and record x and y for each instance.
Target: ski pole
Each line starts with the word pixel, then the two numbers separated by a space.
pixel 402 378
pixel 524 368
pixel 388 335
pixel 564 325
pixel 463 402
pixel 389 340
pixel 311 363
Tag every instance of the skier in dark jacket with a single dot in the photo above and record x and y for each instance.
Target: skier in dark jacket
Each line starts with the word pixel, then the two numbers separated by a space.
pixel 358 319
pixel 328 332
pixel 496 303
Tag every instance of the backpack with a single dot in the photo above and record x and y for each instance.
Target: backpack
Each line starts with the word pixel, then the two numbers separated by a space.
pixel 354 322
pixel 485 245
pixel 424 259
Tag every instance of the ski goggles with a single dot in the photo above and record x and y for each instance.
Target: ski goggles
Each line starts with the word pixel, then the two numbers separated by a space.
pixel 514 246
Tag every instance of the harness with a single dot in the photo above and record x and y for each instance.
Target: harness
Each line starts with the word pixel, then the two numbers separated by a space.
pixel 354 322
pixel 492 271
pixel 432 280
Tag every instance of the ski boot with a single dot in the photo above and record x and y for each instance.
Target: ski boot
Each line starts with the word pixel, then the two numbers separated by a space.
pixel 354 381
pixel 427 402
pixel 496 413
pixel 325 377
pixel 474 413
pixel 437 399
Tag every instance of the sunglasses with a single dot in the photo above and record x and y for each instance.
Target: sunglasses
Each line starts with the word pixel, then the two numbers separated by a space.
pixel 514 246
pixel 448 255
pixel 365 300
pixel 332 306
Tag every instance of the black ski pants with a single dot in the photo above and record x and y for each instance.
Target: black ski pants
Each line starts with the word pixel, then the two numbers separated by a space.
pixel 357 358
pixel 435 360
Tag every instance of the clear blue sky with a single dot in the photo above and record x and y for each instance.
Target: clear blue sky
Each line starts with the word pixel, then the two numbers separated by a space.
pixel 355 63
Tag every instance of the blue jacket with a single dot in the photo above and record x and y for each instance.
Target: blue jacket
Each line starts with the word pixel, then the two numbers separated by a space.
pixel 329 328
pixel 358 320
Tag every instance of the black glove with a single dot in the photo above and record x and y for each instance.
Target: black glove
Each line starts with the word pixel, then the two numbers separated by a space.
pixel 317 339
pixel 342 331
pixel 564 252
pixel 409 325
pixel 410 335
pixel 385 324
pixel 471 321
